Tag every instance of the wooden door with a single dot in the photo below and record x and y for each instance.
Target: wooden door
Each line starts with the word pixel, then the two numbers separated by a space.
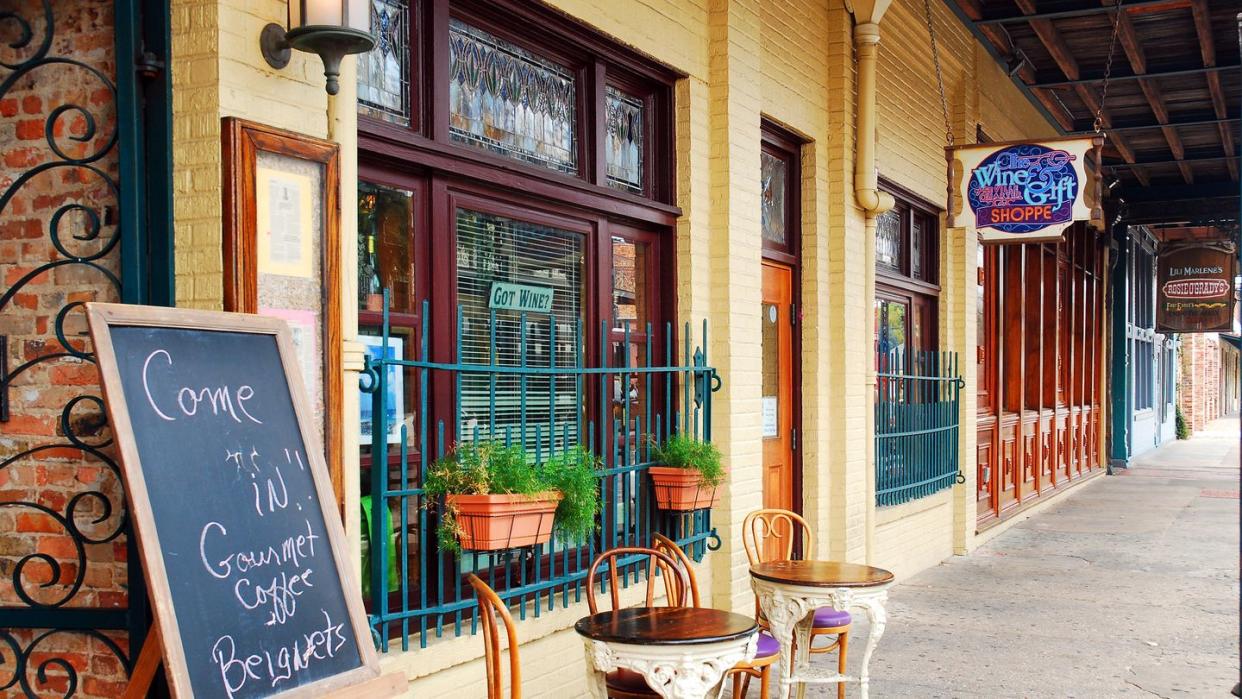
pixel 777 408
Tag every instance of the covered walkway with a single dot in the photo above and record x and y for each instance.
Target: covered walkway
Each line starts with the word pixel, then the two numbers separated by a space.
pixel 1128 587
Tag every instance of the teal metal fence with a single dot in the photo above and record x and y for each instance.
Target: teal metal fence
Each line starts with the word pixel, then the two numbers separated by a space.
pixel 917 397
pixel 540 389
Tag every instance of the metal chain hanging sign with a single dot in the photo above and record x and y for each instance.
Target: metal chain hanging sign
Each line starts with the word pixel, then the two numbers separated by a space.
pixel 1195 287
pixel 1025 191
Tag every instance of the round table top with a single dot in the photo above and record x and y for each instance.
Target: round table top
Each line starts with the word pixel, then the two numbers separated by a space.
pixel 821 574
pixel 666 626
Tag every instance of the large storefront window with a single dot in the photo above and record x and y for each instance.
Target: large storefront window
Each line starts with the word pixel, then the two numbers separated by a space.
pixel 906 249
pixel 499 260
pixel 514 202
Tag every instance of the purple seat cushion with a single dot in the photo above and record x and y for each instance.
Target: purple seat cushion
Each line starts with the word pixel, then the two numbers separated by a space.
pixel 827 616
pixel 768 646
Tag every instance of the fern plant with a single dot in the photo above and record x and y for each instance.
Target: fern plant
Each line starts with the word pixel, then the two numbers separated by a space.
pixel 683 451
pixel 494 468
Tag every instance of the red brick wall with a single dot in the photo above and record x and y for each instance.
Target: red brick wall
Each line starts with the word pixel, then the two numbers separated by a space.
pixel 1200 384
pixel 33 543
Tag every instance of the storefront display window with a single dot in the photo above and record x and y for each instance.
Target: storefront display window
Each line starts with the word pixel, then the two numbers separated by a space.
pixel 906 245
pixel 384 220
pixel 383 80
pixel 508 101
pixel 499 262
pixel 623 148
pixel 630 318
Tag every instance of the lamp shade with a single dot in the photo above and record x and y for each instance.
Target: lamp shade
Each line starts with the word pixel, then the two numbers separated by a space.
pixel 347 14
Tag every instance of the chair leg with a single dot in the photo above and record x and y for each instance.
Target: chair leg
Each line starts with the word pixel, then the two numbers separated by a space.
pixel 765 676
pixel 738 691
pixel 843 642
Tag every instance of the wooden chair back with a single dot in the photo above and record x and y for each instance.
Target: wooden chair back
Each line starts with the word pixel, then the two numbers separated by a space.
pixel 770 535
pixel 491 606
pixel 657 562
pixel 667 546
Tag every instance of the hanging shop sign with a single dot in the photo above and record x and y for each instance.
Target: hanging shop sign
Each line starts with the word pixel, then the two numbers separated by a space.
pixel 520 297
pixel 1194 288
pixel 1025 192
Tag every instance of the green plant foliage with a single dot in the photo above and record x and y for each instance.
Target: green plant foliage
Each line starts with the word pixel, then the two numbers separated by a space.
pixel 573 473
pixel 491 468
pixel 683 451
pixel 1183 429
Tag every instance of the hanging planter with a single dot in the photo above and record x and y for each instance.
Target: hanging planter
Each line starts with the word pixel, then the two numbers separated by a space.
pixel 495 498
pixel 495 522
pixel 687 475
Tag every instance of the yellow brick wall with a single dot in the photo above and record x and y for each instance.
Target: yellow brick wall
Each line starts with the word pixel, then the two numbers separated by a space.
pixel 914 536
pixel 219 71
pixel 791 61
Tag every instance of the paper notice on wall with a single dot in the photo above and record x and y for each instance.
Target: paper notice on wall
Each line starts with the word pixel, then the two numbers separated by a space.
pixel 283 214
pixel 770 420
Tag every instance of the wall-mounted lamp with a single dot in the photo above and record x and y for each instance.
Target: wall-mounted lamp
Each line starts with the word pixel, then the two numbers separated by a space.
pixel 331 28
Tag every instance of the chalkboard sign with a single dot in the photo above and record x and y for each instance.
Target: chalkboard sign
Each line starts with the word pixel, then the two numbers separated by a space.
pixel 243 548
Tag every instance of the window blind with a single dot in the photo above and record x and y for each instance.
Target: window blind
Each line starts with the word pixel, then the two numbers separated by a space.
pixel 538 411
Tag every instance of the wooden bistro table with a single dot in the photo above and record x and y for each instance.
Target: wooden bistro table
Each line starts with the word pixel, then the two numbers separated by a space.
pixel 789 592
pixel 682 652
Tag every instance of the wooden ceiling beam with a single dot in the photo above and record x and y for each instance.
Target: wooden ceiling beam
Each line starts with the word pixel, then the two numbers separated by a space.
pixel 1064 57
pixel 1136 6
pixel 1129 41
pixel 1128 38
pixel 1026 72
pixel 1203 27
pixel 1207 49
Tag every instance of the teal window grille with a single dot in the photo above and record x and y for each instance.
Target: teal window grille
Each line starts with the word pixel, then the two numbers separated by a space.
pixel 429 598
pixel 916 425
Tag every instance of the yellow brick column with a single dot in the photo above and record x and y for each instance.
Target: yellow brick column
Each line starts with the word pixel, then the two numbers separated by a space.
pixel 958 292
pixel 735 290
pixel 196 154
pixel 845 459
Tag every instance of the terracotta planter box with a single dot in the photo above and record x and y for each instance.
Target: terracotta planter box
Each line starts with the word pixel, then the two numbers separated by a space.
pixel 494 522
pixel 681 489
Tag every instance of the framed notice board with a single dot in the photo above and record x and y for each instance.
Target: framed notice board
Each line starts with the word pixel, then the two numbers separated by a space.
pixel 282 254
pixel 243 549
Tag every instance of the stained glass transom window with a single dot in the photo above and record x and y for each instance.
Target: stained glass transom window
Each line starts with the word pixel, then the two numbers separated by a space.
pixel 773 183
pixel 383 78
pixel 508 101
pixel 888 244
pixel 624 141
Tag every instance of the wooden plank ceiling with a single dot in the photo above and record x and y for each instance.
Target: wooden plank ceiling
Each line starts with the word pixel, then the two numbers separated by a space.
pixel 1172 106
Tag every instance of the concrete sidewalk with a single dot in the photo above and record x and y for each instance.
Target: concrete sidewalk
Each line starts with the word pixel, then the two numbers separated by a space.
pixel 1128 587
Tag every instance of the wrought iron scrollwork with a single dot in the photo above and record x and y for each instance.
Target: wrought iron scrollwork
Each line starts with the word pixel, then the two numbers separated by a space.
pixel 16 662
pixel 80 233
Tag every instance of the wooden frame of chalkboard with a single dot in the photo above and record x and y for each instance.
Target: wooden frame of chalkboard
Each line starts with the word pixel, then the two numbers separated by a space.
pixel 104 319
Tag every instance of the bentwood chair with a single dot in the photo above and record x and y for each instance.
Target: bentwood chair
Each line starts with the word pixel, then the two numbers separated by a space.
pixel 627 684
pixel 768 651
pixel 490 606
pixel 769 535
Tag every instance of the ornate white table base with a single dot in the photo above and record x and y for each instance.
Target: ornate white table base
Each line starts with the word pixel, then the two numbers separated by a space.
pixel 691 671
pixel 790 612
